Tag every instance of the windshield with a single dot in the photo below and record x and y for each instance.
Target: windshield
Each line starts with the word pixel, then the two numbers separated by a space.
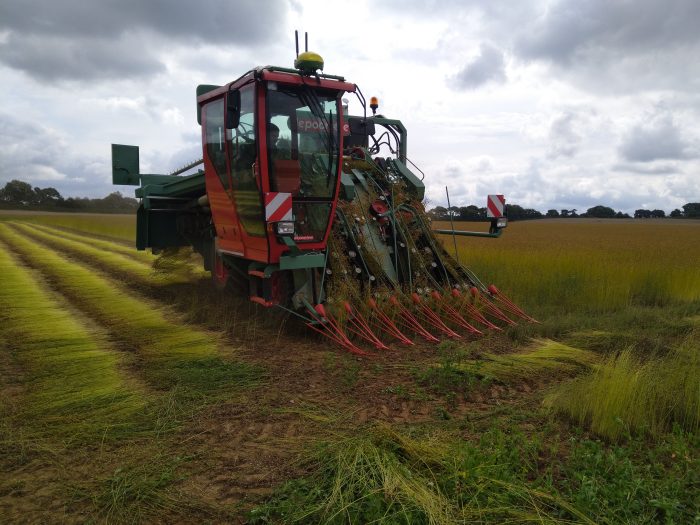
pixel 303 141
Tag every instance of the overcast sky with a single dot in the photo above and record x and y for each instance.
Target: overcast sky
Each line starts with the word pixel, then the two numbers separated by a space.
pixel 556 104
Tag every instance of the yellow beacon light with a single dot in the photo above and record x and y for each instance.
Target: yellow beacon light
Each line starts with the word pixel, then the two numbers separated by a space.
pixel 374 104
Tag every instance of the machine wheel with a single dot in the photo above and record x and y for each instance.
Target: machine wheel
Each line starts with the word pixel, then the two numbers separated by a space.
pixel 220 273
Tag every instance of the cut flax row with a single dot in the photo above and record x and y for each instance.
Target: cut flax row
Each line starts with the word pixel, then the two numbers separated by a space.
pixel 627 394
pixel 70 384
pixel 173 355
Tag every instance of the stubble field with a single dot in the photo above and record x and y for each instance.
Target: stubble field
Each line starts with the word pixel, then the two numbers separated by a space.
pixel 131 391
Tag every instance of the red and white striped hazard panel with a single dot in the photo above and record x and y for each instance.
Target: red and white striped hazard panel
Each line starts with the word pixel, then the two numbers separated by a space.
pixel 495 206
pixel 278 206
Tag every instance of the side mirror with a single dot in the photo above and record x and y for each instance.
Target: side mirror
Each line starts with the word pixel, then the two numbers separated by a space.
pixel 233 109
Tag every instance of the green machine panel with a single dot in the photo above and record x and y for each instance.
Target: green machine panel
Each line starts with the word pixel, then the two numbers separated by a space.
pixel 125 165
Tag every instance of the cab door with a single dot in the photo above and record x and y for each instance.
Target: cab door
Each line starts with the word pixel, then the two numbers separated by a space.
pixel 232 180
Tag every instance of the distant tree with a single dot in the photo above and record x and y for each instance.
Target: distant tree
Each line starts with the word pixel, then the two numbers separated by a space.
pixel 602 212
pixel 565 213
pixel 515 212
pixel 642 214
pixel 531 213
pixel 75 203
pixel 691 210
pixel 620 215
pixel 573 213
pixel 18 193
pixel 47 196
pixel 453 211
pixel 470 213
pixel 552 213
pixel 676 213
pixel 438 213
pixel 116 201
pixel 658 214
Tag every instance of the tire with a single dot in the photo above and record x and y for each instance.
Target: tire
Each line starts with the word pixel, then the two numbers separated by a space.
pixel 220 272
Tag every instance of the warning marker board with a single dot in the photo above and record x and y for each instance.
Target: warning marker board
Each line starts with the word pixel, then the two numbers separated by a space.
pixel 495 206
pixel 278 206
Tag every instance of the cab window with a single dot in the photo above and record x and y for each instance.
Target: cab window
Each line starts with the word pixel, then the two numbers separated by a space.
pixel 215 139
pixel 242 149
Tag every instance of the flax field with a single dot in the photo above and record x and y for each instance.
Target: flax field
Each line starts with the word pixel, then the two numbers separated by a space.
pixel 132 391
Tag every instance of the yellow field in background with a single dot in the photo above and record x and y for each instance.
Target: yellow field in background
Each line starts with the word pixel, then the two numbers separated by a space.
pixel 116 225
pixel 587 264
pixel 572 264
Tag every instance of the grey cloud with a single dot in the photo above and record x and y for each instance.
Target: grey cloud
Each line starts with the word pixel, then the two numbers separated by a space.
pixel 544 185
pixel 167 162
pixel 658 139
pixel 242 22
pixel 55 58
pixel 654 169
pixel 42 157
pixel 489 66
pixel 623 46
pixel 564 138
pixel 617 47
pixel 569 195
pixel 525 188
pixel 494 11
pixel 115 38
pixel 570 28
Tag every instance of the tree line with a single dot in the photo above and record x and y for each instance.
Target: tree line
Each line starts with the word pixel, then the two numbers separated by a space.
pixel 515 212
pixel 18 194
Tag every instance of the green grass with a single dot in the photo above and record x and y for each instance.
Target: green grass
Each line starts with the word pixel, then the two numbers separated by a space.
pixel 497 475
pixel 627 393
pixel 172 355
pixel 383 476
pixel 137 492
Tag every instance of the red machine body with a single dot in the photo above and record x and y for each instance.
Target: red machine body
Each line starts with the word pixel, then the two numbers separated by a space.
pixel 245 232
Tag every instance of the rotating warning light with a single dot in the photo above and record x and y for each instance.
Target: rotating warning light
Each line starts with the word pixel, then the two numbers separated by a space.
pixel 374 104
pixel 308 62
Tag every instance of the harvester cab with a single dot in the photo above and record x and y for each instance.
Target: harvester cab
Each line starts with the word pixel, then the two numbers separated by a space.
pixel 272 162
pixel 296 208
